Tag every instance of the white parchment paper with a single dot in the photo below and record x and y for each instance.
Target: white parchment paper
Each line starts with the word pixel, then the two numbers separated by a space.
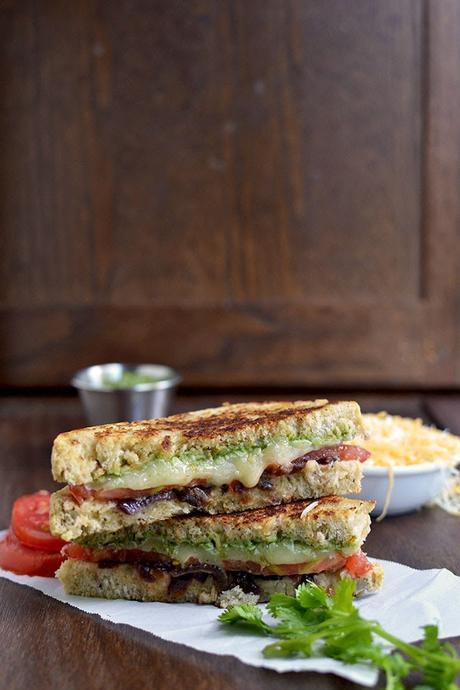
pixel 408 600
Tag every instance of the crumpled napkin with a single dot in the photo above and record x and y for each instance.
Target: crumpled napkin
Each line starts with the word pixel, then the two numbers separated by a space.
pixel 408 600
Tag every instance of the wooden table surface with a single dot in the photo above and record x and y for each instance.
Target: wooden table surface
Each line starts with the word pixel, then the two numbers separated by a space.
pixel 48 645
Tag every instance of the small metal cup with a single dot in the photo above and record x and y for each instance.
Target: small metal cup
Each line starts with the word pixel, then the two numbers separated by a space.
pixel 104 404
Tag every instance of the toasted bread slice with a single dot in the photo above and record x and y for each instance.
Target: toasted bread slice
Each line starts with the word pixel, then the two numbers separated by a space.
pixel 319 524
pixel 86 455
pixel 125 582
pixel 72 520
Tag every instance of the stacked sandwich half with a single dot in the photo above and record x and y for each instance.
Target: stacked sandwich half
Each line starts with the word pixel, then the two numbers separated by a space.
pixel 215 505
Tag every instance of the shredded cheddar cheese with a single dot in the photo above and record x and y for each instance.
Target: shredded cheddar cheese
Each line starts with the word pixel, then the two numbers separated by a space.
pixel 391 483
pixel 449 498
pixel 399 441
pixel 395 441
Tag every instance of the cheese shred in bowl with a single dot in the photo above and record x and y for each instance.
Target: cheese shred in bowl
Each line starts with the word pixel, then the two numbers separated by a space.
pixel 397 441
pixel 403 442
pixel 449 498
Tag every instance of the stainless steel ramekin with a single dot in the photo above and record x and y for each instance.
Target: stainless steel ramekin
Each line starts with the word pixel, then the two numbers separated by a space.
pixel 104 403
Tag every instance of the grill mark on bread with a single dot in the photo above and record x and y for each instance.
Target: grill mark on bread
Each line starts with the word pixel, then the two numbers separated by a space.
pixel 347 523
pixel 326 508
pixel 166 442
pixel 111 448
pixel 227 420
pixel 235 421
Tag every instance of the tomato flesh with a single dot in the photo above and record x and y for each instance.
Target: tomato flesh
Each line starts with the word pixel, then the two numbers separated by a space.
pixel 24 560
pixel 358 564
pixel 80 492
pixel 30 522
pixel 328 564
pixel 81 553
pixel 343 451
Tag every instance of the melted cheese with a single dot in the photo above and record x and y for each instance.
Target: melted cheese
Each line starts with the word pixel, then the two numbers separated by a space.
pixel 241 466
pixel 276 553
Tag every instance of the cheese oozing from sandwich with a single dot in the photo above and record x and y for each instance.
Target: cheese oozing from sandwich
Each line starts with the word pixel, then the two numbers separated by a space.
pixel 251 540
pixel 277 558
pixel 238 465
pixel 244 466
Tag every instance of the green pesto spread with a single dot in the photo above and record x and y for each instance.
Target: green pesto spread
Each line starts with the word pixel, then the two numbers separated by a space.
pixel 216 550
pixel 219 464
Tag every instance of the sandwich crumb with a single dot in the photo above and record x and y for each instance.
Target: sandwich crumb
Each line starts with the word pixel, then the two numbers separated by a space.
pixel 236 596
pixel 306 510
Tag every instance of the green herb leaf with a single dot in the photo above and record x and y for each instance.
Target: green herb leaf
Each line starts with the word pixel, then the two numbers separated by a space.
pixel 314 623
pixel 291 614
pixel 343 597
pixel 248 615
pixel 310 596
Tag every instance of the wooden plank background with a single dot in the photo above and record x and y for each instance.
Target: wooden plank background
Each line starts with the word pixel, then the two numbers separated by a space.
pixel 258 193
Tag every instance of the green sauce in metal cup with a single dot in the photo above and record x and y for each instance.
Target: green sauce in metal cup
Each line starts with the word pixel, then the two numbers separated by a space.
pixel 129 379
pixel 119 392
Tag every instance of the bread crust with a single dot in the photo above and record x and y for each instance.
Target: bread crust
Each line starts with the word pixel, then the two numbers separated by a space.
pixel 71 520
pixel 319 524
pixel 85 455
pixel 124 582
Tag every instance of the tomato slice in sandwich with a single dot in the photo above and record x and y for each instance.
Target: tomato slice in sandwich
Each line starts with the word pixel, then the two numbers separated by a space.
pixel 358 564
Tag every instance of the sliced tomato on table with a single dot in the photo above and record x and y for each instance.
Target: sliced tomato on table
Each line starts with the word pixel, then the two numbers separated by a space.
pixel 24 560
pixel 29 548
pixel 30 522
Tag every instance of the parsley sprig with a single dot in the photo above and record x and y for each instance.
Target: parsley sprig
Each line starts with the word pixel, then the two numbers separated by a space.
pixel 314 623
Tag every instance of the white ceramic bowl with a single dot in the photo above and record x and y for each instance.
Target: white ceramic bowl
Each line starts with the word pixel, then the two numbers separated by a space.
pixel 414 485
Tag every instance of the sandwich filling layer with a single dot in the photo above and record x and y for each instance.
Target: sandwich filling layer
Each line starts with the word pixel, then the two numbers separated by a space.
pixel 277 559
pixel 236 469
pixel 298 539
pixel 251 555
pixel 74 516
pixel 309 536
pixel 209 585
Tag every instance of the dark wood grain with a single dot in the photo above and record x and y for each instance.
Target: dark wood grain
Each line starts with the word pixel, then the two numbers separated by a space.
pixel 425 539
pixel 445 411
pixel 412 345
pixel 76 650
pixel 258 193
pixel 50 646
